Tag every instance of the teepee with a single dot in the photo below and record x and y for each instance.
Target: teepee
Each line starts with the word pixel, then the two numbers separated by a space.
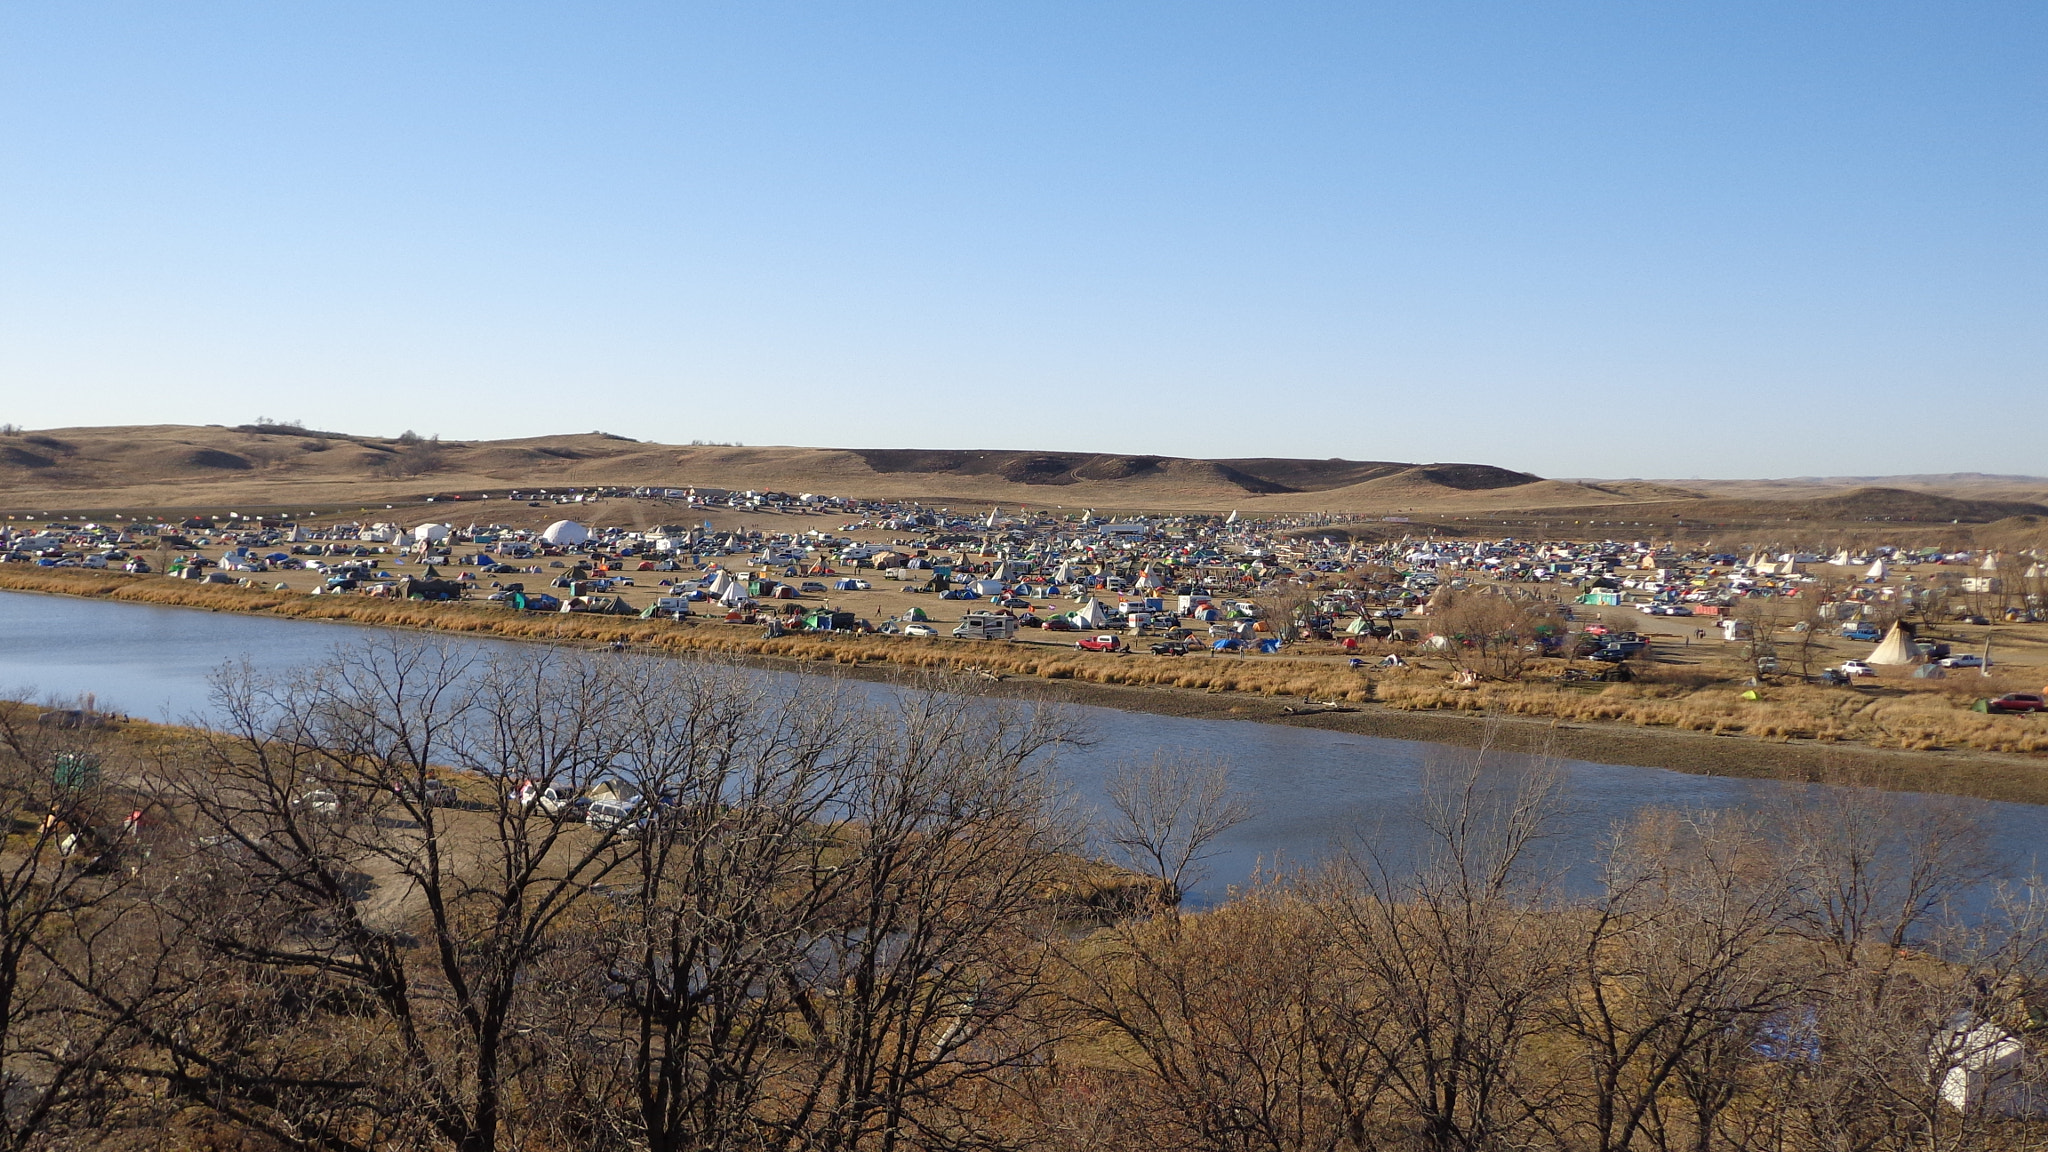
pixel 1898 648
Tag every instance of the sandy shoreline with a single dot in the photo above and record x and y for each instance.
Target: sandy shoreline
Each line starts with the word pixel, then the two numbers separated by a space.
pixel 1987 775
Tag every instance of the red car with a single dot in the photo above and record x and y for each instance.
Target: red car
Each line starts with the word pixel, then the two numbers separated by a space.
pixel 1104 643
pixel 2020 702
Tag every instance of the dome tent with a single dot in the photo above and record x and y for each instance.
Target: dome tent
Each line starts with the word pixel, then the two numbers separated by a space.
pixel 566 532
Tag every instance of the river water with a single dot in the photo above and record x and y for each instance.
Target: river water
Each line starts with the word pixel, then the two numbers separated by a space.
pixel 1314 791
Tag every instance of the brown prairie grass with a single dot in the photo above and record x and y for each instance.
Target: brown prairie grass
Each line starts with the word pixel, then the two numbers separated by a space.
pixel 1912 720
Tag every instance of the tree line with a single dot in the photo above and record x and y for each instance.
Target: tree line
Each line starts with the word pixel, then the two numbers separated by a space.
pixel 365 908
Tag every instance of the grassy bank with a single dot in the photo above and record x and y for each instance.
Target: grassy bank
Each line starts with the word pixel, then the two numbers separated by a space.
pixel 1930 719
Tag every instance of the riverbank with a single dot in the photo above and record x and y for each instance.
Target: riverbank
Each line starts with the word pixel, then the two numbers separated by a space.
pixel 1655 726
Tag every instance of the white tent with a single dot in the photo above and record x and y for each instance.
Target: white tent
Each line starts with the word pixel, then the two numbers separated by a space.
pixel 734 595
pixel 566 532
pixel 1876 570
pixel 1897 648
pixel 1984 1068
pixel 720 583
pixel 431 533
pixel 1091 614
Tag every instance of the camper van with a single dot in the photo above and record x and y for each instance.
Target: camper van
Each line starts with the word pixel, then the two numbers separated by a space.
pixel 986 626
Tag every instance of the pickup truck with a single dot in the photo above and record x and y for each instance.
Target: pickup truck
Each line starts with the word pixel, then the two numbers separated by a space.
pixel 1103 643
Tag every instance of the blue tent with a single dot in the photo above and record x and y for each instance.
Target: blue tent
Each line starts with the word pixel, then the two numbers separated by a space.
pixel 1227 644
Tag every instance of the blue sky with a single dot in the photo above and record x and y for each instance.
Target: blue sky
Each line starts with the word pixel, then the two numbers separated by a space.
pixel 1580 239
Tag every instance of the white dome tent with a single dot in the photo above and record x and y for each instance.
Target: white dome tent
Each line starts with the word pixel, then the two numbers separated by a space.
pixel 566 533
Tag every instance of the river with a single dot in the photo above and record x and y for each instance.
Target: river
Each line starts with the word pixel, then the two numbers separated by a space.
pixel 1313 790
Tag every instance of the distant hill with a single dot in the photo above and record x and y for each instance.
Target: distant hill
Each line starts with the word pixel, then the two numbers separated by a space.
pixel 273 466
pixel 1961 485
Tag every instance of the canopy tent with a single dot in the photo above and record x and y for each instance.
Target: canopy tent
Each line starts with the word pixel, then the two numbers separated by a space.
pixel 1898 648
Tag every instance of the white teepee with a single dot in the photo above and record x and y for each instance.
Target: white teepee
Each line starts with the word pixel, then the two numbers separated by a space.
pixel 1898 648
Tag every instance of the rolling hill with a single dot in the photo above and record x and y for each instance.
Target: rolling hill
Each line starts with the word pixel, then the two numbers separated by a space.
pixel 271 466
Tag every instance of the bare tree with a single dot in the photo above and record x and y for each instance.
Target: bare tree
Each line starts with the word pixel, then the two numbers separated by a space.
pixel 1215 1020
pixel 340 860
pixel 1460 965
pixel 1493 631
pixel 1682 959
pixel 1168 813
pixel 66 850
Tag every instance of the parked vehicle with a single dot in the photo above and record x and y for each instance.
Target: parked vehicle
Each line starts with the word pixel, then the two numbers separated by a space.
pixel 1856 668
pixel 550 799
pixel 2020 702
pixel 615 813
pixel 319 802
pixel 1170 648
pixel 431 793
pixel 1966 660
pixel 920 630
pixel 1862 632
pixel 1102 643
pixel 986 626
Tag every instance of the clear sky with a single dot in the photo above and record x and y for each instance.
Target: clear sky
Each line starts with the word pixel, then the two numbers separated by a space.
pixel 1583 239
